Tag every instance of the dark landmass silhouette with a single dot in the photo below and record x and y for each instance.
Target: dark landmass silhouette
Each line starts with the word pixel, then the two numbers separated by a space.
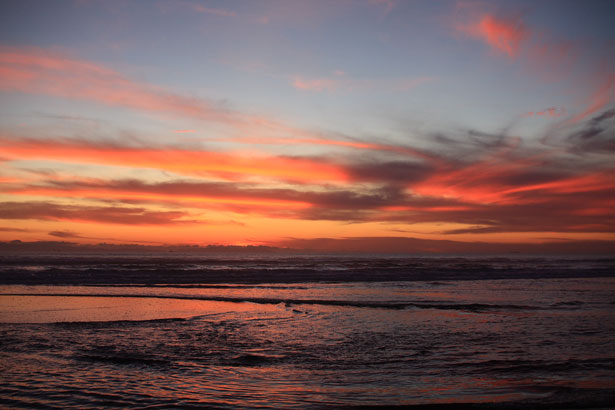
pixel 376 245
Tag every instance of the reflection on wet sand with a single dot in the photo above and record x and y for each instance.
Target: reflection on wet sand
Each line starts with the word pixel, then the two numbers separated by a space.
pixel 50 309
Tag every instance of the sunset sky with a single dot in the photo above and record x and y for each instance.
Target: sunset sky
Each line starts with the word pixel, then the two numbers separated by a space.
pixel 276 122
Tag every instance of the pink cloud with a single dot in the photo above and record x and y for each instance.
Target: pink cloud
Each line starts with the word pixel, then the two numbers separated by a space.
pixel 548 112
pixel 503 35
pixel 603 95
pixel 551 59
pixel 409 83
pixel 219 12
pixel 167 6
pixel 548 56
pixel 39 71
pixel 314 84
pixel 343 82
pixel 388 5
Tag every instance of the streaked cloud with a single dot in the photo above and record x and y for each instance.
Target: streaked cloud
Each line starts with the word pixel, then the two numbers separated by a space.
pixel 600 98
pixel 596 135
pixel 65 234
pixel 547 112
pixel 199 8
pixel 386 5
pixel 342 82
pixel 314 84
pixel 182 161
pixel 167 6
pixel 39 71
pixel 10 229
pixel 44 72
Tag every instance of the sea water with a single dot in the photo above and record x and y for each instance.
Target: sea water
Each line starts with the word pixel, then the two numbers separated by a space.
pixel 305 331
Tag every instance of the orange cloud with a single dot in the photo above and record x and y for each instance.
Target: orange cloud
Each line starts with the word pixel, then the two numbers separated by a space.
pixel 474 184
pixel 9 180
pixel 223 165
pixel 595 181
pixel 494 181
pixel 504 36
pixel 404 208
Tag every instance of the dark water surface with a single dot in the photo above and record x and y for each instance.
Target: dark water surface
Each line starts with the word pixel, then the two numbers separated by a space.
pixel 306 332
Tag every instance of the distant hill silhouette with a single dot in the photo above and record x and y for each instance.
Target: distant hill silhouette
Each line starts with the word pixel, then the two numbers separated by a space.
pixel 70 247
pixel 380 245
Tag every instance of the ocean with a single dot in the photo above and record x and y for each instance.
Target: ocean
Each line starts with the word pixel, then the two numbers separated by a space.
pixel 306 331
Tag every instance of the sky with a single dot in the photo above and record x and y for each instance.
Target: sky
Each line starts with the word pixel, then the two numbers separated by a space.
pixel 294 123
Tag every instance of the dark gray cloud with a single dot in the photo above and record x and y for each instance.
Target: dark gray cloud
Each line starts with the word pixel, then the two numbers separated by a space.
pixel 110 214
pixel 391 172
pixel 9 229
pixel 416 245
pixel 596 135
pixel 64 234
pixel 331 198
